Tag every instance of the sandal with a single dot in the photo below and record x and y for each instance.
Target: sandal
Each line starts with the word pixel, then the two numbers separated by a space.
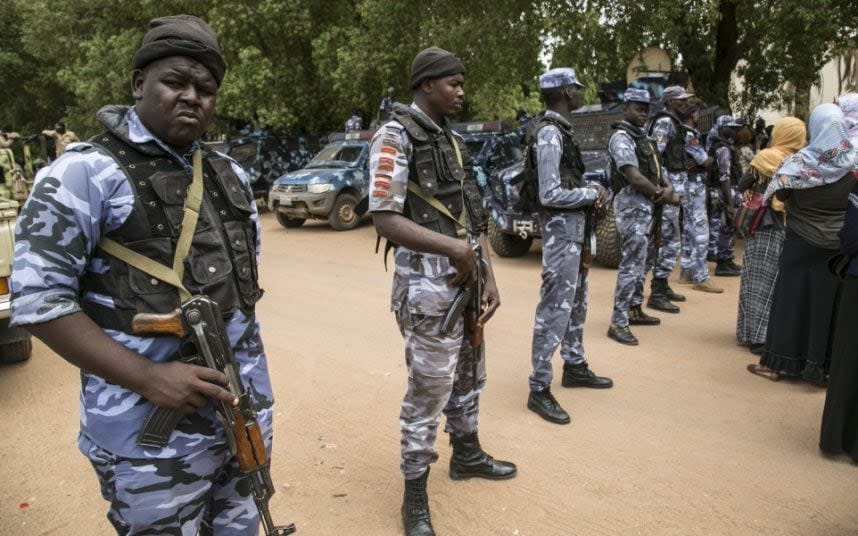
pixel 765 372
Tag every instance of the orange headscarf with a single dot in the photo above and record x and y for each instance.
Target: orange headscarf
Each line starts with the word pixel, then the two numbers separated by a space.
pixel 788 136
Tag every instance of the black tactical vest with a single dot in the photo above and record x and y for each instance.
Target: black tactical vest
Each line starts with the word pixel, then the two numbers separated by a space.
pixel 436 169
pixel 674 154
pixel 221 262
pixel 735 166
pixel 571 164
pixel 646 152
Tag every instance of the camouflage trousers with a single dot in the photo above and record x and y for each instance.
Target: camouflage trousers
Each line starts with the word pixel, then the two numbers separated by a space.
pixel 202 493
pixel 695 229
pixel 562 307
pixel 670 239
pixel 634 223
pixel 440 379
pixel 722 235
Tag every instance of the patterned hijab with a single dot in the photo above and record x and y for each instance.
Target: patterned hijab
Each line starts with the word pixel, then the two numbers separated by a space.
pixel 849 105
pixel 826 159
pixel 788 136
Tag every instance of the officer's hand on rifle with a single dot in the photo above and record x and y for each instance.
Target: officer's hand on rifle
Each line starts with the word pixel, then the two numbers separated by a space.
pixel 602 195
pixel 490 302
pixel 465 262
pixel 185 388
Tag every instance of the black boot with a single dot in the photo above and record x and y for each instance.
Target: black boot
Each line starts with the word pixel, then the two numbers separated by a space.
pixel 582 376
pixel 637 317
pixel 727 268
pixel 622 334
pixel 671 295
pixel 545 405
pixel 415 507
pixel 658 297
pixel 470 460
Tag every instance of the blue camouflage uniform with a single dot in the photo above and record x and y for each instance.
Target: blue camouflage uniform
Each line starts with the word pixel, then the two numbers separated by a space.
pixel 722 235
pixel 562 308
pixel 193 484
pixel 695 224
pixel 663 129
pixel 440 375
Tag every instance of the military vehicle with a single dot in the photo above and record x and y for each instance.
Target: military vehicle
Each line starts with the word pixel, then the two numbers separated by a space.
pixel 15 343
pixel 329 187
pixel 493 145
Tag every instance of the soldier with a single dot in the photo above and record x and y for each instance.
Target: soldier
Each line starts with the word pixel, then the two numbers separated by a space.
pixel 724 197
pixel 695 225
pixel 422 195
pixel 7 158
pixel 129 184
pixel 385 109
pixel 565 200
pixel 61 136
pixel 639 184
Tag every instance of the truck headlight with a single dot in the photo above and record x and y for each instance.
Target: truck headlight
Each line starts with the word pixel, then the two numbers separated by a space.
pixel 320 188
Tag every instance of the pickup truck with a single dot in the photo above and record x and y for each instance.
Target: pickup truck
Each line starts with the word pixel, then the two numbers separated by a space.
pixel 15 343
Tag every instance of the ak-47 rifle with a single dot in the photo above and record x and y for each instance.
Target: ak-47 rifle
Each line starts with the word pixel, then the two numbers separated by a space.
pixel 200 319
pixel 468 301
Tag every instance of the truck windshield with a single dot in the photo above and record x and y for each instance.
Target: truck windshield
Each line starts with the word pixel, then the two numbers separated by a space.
pixel 337 155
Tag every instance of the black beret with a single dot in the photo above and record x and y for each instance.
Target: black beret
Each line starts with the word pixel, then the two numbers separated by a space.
pixel 181 35
pixel 434 62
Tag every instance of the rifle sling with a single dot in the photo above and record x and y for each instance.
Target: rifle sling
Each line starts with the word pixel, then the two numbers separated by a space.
pixel 172 276
pixel 414 188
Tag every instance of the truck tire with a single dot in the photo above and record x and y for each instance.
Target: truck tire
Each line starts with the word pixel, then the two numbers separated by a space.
pixel 607 240
pixel 343 215
pixel 287 222
pixel 15 352
pixel 507 245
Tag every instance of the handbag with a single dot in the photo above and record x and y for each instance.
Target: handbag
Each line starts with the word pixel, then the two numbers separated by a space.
pixel 749 215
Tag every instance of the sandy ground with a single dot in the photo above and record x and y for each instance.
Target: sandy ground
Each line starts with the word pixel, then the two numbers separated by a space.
pixel 686 443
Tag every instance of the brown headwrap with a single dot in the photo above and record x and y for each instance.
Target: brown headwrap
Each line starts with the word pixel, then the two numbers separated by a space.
pixel 181 35
pixel 434 62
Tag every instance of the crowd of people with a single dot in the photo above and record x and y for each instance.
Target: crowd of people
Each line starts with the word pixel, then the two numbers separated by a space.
pixel 108 219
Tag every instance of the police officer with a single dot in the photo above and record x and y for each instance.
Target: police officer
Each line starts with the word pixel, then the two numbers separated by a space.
pixel 565 200
pixel 639 184
pixel 669 134
pixel 129 185
pixel 354 123
pixel 695 223
pixel 385 109
pixel 422 197
pixel 724 196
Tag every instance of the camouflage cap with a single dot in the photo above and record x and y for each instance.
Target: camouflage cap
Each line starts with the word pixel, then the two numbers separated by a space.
pixel 559 77
pixel 636 95
pixel 728 121
pixel 675 93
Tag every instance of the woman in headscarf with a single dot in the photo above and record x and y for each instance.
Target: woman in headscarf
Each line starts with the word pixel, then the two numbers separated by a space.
pixel 814 183
pixel 763 248
pixel 849 106
pixel 840 416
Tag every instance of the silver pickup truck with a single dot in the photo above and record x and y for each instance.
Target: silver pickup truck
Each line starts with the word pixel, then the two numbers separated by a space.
pixel 15 343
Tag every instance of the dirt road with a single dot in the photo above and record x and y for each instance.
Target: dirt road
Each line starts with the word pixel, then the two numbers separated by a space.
pixel 686 443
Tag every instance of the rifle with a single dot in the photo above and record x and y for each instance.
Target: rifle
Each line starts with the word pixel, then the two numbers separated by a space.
pixel 468 301
pixel 200 319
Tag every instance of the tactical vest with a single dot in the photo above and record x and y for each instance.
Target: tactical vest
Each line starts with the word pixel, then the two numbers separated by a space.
pixel 571 164
pixel 221 262
pixel 435 168
pixel 735 166
pixel 645 150
pixel 674 154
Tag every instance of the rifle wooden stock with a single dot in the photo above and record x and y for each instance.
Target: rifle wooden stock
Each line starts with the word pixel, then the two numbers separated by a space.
pixel 158 324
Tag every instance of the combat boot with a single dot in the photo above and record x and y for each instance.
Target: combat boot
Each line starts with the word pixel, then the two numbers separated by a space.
pixel 470 460
pixel 658 299
pixel 727 268
pixel 582 376
pixel 415 507
pixel 545 405
pixel 637 317
pixel 622 334
pixel 671 295
pixel 707 286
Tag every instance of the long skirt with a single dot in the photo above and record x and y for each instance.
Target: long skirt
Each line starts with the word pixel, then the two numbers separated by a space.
pixel 759 272
pixel 840 417
pixel 798 342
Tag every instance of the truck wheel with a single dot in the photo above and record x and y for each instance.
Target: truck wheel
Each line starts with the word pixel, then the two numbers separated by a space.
pixel 15 352
pixel 607 240
pixel 288 222
pixel 507 245
pixel 343 216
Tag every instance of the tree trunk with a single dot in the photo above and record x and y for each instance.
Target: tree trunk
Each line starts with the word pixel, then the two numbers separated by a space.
pixel 801 107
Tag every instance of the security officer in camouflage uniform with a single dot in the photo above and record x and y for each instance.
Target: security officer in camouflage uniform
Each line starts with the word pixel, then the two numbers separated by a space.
pixel 725 196
pixel 422 197
pixel 129 184
pixel 669 133
pixel 565 202
pixel 695 224
pixel 639 184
